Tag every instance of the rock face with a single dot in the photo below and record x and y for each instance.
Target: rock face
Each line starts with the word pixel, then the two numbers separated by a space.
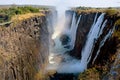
pixel 23 49
pixel 108 49
pixel 108 58
pixel 115 69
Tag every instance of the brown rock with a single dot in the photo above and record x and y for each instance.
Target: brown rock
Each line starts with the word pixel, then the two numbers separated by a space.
pixel 23 49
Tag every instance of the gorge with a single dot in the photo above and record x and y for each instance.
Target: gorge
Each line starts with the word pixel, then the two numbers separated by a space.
pixel 87 53
pixel 67 41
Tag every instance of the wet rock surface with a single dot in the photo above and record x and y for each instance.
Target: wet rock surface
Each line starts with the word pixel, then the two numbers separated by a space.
pixel 64 39
pixel 82 31
pixel 106 57
pixel 85 24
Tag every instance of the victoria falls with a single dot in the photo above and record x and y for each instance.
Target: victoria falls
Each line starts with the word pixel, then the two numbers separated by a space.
pixel 59 42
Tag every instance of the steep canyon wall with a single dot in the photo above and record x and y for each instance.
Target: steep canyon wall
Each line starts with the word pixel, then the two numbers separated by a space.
pixel 23 48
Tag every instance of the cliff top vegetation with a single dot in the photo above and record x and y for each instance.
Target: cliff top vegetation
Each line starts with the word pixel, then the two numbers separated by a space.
pixel 6 14
pixel 109 11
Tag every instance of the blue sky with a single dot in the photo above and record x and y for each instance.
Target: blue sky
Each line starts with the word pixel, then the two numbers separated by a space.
pixel 90 3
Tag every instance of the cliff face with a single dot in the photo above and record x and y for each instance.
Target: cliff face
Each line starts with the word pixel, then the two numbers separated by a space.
pixel 108 60
pixel 23 49
pixel 85 24
pixel 110 47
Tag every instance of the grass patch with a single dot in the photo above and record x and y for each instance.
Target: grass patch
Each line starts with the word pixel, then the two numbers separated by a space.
pixel 25 16
pixel 7 14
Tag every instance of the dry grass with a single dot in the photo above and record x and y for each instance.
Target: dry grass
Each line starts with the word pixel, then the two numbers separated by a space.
pixel 25 16
pixel 90 10
pixel 105 10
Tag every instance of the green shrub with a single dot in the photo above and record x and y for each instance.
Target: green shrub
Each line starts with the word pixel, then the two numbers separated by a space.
pixel 117 23
pixel 16 11
pixel 117 34
pixel 111 12
pixel 31 9
pixel 90 74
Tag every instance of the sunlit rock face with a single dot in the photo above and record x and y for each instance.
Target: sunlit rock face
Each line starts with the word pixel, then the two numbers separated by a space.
pixel 23 49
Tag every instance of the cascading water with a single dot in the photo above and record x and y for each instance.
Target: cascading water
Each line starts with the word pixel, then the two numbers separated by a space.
pixel 80 65
pixel 57 51
pixel 92 37
pixel 103 41
pixel 64 63
pixel 73 31
pixel 58 48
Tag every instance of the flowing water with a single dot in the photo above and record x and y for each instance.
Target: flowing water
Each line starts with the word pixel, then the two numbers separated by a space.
pixel 62 62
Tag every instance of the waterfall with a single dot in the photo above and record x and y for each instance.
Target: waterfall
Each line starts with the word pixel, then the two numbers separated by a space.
pixel 64 63
pixel 91 38
pixel 57 51
pixel 73 30
pixel 103 41
pixel 101 30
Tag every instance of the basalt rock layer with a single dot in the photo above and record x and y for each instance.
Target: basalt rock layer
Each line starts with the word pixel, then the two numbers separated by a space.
pixel 23 49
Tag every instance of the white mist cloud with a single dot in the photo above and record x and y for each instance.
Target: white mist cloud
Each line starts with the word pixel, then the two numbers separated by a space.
pixel 74 66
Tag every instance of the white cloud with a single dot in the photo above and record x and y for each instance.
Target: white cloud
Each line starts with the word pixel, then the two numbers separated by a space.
pixel 95 3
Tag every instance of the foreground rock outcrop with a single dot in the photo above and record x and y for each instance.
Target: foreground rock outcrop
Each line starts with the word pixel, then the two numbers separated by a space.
pixel 23 49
